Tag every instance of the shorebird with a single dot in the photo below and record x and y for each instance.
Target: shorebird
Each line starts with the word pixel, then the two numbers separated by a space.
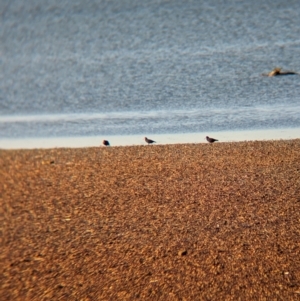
pixel 149 141
pixel 106 143
pixel 277 71
pixel 211 140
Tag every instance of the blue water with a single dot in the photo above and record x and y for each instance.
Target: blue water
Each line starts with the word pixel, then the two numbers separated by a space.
pixel 84 68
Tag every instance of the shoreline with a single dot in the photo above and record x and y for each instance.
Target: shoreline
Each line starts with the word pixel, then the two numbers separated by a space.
pixel 162 139
pixel 180 221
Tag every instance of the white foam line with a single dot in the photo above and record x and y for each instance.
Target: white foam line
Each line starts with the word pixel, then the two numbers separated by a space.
pixel 150 114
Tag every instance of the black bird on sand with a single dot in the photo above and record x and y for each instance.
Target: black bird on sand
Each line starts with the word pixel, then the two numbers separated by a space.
pixel 149 141
pixel 106 143
pixel 211 140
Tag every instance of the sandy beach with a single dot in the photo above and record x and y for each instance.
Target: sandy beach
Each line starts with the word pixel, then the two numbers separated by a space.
pixel 160 222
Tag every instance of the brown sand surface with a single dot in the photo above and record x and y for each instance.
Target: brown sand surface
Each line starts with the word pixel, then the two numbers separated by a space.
pixel 162 222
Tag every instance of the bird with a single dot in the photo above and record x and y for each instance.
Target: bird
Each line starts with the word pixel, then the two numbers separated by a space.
pixel 277 71
pixel 149 141
pixel 211 140
pixel 106 143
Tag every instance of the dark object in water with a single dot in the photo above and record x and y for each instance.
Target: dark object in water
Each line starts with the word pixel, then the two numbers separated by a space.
pixel 149 141
pixel 106 143
pixel 277 71
pixel 211 140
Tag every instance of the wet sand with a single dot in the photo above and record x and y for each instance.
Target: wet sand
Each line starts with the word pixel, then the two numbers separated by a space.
pixel 130 140
pixel 158 222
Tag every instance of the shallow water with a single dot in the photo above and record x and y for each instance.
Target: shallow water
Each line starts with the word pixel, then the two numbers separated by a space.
pixel 111 68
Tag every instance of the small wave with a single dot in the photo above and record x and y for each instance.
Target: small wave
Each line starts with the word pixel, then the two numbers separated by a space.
pixel 242 112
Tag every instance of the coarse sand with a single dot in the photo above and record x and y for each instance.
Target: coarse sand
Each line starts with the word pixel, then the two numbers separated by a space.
pixel 160 222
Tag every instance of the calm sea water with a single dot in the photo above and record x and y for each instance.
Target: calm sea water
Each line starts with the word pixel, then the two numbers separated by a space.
pixel 84 68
